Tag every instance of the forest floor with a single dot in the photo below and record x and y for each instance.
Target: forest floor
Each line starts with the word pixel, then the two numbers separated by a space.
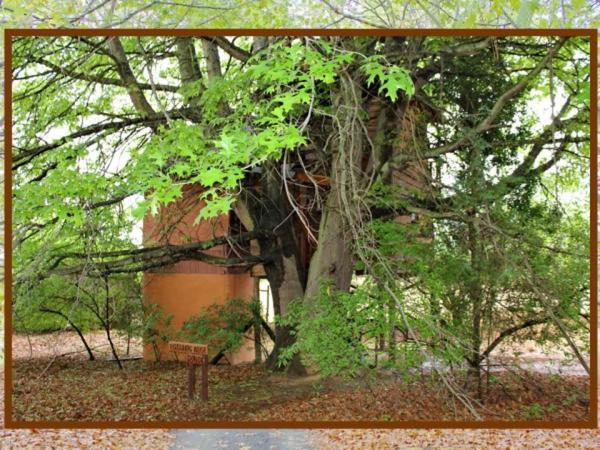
pixel 159 439
pixel 75 389
pixel 332 439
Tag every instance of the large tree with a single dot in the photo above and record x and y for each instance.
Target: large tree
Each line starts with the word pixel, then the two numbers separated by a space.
pixel 451 133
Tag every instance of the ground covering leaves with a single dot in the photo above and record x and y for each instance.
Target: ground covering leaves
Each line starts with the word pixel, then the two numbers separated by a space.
pixel 74 389
pixel 158 439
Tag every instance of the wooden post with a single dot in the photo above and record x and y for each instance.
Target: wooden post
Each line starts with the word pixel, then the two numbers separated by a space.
pixel 191 380
pixel 205 378
pixel 197 355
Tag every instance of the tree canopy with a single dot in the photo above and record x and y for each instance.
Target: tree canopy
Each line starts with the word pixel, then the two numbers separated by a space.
pixel 320 13
pixel 452 172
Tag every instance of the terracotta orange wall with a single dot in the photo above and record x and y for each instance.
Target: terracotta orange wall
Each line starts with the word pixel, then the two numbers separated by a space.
pixel 184 295
pixel 185 288
pixel 175 225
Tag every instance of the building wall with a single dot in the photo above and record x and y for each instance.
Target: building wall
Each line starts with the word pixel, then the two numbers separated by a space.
pixel 185 288
pixel 185 294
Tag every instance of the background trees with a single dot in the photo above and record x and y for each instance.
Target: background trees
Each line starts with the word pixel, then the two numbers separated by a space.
pixel 492 133
pixel 330 13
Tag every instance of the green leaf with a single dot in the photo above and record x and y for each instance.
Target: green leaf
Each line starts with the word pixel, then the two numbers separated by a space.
pixel 210 176
pixel 140 210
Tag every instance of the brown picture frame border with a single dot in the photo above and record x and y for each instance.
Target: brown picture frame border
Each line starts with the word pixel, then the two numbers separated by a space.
pixel 592 34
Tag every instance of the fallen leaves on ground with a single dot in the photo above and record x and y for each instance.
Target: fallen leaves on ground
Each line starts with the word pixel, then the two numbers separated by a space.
pixel 68 342
pixel 76 389
pixel 144 391
pixel 48 345
pixel 81 439
pixel 157 391
pixel 535 439
pixel 527 396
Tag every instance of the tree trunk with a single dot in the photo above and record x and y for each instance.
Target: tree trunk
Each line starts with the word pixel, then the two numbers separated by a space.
pixel 476 297
pixel 333 259
pixel 113 349
pixel 285 287
pixel 257 318
pixel 392 330
pixel 257 343
pixel 189 69
pixel 107 324
pixel 267 209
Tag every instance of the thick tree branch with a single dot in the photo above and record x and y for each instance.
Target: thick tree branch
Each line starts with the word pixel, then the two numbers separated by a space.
pixel 213 61
pixel 229 48
pixel 117 52
pixel 26 155
pixel 100 79
pixel 509 332
pixel 140 259
pixel 213 68
pixel 189 69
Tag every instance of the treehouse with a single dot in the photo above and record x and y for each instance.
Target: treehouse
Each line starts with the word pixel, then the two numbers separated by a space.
pixel 186 287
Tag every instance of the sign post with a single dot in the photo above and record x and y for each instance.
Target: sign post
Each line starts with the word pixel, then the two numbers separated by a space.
pixel 196 355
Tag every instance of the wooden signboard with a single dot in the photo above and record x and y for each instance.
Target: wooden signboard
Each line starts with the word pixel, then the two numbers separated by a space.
pixel 195 355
